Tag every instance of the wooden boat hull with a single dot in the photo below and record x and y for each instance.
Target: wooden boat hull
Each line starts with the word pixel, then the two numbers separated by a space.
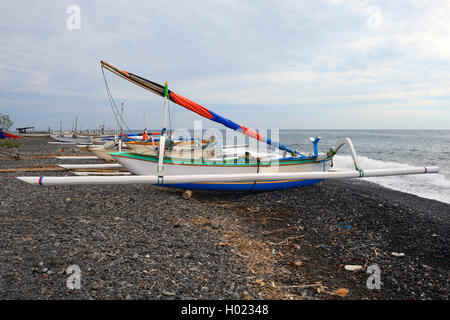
pixel 141 164
pixel 103 154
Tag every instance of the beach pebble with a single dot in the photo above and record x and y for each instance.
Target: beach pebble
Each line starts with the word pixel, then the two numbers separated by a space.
pixel 352 267
pixel 397 254
pixel 167 293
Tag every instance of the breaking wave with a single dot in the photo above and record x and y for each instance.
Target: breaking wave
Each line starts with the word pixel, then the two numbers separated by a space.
pixel 432 186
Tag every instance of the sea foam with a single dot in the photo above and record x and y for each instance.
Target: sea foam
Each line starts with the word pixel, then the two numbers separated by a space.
pixel 432 186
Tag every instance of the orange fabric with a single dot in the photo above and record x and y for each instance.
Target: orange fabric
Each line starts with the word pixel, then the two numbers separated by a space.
pixel 190 105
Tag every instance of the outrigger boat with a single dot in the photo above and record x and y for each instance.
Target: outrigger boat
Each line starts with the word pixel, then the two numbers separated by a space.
pixel 217 169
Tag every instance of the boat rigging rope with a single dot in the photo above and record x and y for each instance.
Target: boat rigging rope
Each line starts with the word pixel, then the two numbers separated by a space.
pixel 113 103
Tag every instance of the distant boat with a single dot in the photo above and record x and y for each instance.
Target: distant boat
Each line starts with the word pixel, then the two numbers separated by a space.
pixel 71 140
pixel 6 135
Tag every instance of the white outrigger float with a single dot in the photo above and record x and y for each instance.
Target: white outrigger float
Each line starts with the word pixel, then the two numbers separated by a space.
pixel 217 169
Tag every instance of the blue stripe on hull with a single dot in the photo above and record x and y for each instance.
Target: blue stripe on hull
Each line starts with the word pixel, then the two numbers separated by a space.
pixel 266 186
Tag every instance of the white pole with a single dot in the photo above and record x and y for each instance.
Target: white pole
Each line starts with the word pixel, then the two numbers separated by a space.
pixel 121 120
pixel 145 120
pixel 162 139
pixel 319 175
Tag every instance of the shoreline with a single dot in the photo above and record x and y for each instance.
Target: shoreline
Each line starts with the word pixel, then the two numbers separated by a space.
pixel 147 242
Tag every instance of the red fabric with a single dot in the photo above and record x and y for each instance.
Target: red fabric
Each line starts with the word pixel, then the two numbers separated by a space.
pixel 190 105
pixel 252 134
pixel 12 136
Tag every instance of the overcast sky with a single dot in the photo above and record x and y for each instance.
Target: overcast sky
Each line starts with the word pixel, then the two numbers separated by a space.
pixel 264 64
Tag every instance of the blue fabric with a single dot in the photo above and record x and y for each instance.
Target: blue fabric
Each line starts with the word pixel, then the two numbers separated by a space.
pixel 226 122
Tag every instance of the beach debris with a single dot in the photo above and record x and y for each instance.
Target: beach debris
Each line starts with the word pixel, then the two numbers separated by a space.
pixel 187 194
pixel 94 255
pixel 376 252
pixel 341 292
pixel 398 254
pixel 97 285
pixel 304 286
pixel 99 236
pixel 321 289
pixel 298 264
pixel 350 267
pixel 260 282
pixel 215 224
pixel 341 224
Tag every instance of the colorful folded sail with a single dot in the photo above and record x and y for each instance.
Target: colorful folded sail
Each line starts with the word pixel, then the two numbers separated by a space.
pixel 193 106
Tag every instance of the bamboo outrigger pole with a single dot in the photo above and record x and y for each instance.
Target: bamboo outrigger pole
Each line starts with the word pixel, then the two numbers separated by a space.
pixel 246 177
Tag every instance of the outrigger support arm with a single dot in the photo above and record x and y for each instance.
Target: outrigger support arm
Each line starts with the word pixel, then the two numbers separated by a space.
pixel 162 139
pixel 339 145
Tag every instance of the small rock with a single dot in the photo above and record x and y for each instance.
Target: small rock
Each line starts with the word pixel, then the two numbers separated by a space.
pixel 215 224
pixel 167 293
pixel 93 255
pixel 352 267
pixel 97 285
pixel 397 254
pixel 55 261
pixel 135 256
pixel 100 236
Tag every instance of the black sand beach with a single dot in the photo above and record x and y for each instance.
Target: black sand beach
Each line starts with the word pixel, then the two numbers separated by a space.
pixel 147 242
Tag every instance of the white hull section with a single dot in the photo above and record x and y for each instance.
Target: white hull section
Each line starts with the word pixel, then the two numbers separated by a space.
pixel 144 167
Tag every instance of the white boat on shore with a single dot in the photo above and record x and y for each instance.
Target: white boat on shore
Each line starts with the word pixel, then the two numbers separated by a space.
pixel 222 169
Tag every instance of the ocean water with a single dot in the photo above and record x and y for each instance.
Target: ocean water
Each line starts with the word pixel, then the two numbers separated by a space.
pixel 379 149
